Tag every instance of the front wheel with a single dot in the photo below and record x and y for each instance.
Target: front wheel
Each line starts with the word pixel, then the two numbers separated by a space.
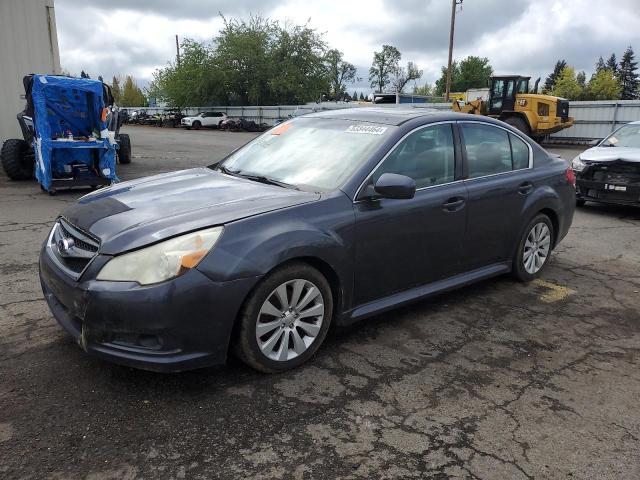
pixel 520 124
pixel 124 152
pixel 16 161
pixel 534 248
pixel 196 125
pixel 285 319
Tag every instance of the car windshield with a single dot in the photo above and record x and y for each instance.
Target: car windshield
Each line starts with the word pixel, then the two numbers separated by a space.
pixel 627 136
pixel 311 152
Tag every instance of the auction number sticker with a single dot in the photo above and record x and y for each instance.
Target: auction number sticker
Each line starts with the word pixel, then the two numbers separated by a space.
pixel 368 129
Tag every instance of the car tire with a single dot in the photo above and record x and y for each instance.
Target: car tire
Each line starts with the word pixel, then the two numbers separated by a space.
pixel 196 125
pixel 124 152
pixel 580 202
pixel 266 353
pixel 535 245
pixel 17 165
pixel 519 124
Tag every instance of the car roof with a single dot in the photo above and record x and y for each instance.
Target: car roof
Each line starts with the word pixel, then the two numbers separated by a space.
pixel 391 115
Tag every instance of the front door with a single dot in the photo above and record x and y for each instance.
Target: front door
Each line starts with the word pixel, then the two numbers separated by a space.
pixel 402 244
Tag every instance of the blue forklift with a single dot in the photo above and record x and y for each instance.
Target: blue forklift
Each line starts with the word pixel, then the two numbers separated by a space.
pixel 71 135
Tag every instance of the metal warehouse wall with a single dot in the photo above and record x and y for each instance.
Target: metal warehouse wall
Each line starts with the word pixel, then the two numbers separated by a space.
pixel 28 44
pixel 592 119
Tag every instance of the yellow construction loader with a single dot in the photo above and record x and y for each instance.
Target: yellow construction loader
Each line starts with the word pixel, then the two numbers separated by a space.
pixel 509 100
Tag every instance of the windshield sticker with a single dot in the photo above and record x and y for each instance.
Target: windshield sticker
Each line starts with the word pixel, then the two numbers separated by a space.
pixel 280 129
pixel 613 140
pixel 368 129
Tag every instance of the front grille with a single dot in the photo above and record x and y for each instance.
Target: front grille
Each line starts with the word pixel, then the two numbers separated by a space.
pixel 619 173
pixel 71 248
pixel 563 109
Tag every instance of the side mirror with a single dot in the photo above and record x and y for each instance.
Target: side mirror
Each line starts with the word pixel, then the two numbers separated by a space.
pixel 594 143
pixel 391 185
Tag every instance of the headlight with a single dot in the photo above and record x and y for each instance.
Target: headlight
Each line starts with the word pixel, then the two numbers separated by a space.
pixel 163 260
pixel 577 164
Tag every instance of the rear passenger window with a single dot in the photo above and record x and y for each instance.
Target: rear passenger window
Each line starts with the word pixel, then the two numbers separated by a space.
pixel 426 155
pixel 519 152
pixel 488 149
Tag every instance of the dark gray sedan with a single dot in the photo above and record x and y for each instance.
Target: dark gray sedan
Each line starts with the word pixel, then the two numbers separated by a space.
pixel 325 219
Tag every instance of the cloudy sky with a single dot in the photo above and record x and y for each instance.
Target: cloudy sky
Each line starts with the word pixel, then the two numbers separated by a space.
pixel 518 36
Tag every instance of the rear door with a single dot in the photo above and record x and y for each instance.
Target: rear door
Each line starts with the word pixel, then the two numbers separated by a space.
pixel 404 243
pixel 498 170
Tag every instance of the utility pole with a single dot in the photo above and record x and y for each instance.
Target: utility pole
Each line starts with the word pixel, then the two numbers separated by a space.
pixel 454 4
pixel 177 50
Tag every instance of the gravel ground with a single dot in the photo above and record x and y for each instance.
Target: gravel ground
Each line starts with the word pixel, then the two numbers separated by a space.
pixel 500 380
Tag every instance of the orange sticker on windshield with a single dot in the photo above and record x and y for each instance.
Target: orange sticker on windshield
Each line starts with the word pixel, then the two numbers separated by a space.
pixel 280 129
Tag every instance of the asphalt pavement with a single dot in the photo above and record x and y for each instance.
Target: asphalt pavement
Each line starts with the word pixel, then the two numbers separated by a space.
pixel 500 380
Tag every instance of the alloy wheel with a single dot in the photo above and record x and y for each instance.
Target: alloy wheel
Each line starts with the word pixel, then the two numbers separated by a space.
pixel 290 319
pixel 536 248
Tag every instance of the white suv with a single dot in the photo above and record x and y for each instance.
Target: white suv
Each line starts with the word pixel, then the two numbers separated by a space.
pixel 204 119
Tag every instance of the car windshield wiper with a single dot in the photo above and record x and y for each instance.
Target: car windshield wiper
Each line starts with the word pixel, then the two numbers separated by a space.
pixel 256 178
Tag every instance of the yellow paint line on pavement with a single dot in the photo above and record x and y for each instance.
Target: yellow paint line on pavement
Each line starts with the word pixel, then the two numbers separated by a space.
pixel 555 292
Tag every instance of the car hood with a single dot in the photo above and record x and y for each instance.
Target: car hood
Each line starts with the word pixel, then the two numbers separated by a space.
pixel 611 154
pixel 189 118
pixel 132 214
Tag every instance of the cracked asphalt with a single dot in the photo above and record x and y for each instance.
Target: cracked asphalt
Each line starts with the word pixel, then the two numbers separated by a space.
pixel 500 380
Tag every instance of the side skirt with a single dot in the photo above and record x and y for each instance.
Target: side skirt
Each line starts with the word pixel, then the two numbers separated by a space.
pixel 418 293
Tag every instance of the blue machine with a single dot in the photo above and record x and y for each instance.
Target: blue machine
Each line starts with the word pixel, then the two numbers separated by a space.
pixel 71 136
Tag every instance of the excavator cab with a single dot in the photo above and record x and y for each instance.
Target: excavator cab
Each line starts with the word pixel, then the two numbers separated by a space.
pixel 503 91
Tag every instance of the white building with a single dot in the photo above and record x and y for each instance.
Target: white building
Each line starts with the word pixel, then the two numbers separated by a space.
pixel 28 44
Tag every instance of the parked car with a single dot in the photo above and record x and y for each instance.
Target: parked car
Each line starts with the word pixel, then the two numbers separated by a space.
pixel 204 119
pixel 325 219
pixel 610 171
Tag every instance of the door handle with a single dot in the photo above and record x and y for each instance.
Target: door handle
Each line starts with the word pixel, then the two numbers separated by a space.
pixel 453 204
pixel 525 188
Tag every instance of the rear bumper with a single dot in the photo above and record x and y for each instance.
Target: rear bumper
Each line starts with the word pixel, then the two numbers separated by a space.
pixel 607 193
pixel 181 324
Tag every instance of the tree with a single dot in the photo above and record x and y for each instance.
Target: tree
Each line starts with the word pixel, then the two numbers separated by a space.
pixel 116 90
pixel 612 64
pixel 385 65
pixel 472 72
pixel 566 85
pixel 404 76
pixel 426 89
pixel 600 65
pixel 550 82
pixel 581 78
pixel 354 97
pixel 629 79
pixel 83 74
pixel 340 73
pixel 603 85
pixel 132 95
pixel 361 98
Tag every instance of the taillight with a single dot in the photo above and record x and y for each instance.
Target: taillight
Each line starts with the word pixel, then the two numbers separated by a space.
pixel 571 176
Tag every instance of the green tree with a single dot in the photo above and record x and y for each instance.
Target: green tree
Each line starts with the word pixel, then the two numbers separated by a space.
pixel 405 75
pixel 550 81
pixel 361 98
pixel 471 72
pixel 385 65
pixel 116 90
pixel 132 95
pixel 628 76
pixel 354 97
pixel 340 73
pixel 426 89
pixel 603 85
pixel 600 65
pixel 566 85
pixel 612 64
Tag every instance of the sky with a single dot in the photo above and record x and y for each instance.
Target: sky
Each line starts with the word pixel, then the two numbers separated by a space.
pixel 526 37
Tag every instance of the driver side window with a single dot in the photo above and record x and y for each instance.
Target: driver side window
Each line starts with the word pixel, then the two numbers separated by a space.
pixel 427 155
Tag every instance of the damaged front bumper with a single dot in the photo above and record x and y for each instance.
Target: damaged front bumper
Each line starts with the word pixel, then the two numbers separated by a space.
pixel 611 182
pixel 181 324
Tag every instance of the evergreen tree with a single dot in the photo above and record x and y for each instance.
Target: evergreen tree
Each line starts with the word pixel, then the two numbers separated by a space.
pixel 361 97
pixel 550 82
pixel 582 79
pixel 612 64
pixel 600 65
pixel 628 76
pixel 354 97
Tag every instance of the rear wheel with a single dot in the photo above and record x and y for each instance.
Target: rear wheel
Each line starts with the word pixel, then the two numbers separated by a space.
pixel 285 319
pixel 16 162
pixel 124 152
pixel 520 124
pixel 534 248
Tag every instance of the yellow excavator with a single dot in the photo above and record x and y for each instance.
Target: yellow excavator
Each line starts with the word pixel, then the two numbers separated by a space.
pixel 509 100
